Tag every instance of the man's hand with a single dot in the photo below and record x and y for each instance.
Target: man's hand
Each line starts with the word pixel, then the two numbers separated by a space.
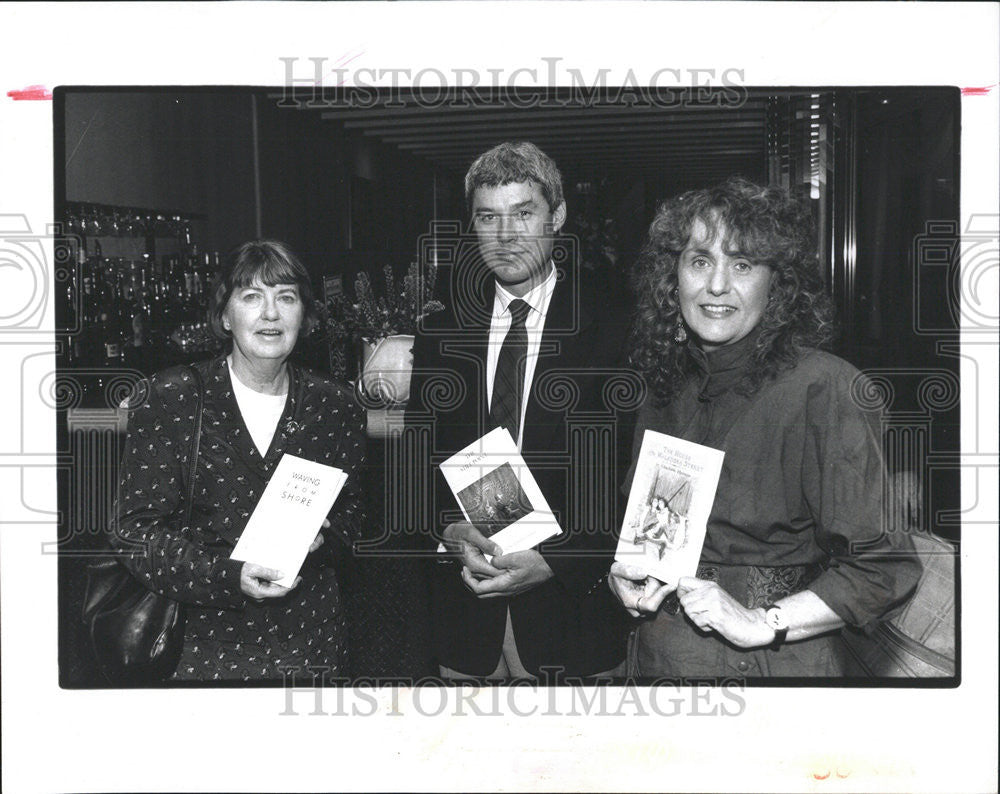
pixel 637 592
pixel 711 607
pixel 519 572
pixel 468 545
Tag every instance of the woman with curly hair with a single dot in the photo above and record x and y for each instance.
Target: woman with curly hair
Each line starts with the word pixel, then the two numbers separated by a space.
pixel 730 320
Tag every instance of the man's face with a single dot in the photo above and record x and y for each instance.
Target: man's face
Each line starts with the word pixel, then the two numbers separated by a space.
pixel 515 228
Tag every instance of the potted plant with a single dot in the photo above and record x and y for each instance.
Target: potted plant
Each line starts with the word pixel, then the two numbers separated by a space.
pixel 384 326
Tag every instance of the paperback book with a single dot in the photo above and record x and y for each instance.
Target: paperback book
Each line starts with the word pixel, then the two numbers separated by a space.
pixel 668 506
pixel 498 494
pixel 289 515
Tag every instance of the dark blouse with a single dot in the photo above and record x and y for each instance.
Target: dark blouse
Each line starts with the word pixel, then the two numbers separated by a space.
pixel 801 481
pixel 191 564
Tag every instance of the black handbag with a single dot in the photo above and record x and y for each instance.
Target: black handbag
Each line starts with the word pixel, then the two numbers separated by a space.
pixel 137 635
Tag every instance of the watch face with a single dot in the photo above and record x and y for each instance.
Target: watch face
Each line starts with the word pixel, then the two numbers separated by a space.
pixel 775 619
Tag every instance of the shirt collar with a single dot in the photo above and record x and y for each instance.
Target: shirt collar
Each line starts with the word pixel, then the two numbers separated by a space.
pixel 536 298
pixel 724 367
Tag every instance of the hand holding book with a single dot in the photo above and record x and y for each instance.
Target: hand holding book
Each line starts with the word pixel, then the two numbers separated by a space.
pixel 283 527
pixel 320 540
pixel 637 591
pixel 489 572
pixel 498 496
pixel 259 582
pixel 470 547
pixel 669 502
pixel 520 571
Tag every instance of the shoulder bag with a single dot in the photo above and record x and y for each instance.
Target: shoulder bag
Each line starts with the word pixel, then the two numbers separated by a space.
pixel 137 635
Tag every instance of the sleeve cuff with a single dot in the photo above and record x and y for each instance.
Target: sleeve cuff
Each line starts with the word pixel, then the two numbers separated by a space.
pixel 229 582
pixel 578 575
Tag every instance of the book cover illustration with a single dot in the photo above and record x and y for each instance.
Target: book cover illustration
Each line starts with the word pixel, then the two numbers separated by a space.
pixel 289 515
pixel 668 506
pixel 495 501
pixel 498 494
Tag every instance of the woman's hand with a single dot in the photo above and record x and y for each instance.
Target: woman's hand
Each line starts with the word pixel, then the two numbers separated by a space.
pixel 712 608
pixel 320 540
pixel 258 582
pixel 637 591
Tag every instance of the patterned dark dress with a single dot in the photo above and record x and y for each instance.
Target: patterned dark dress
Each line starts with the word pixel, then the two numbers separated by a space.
pixel 230 637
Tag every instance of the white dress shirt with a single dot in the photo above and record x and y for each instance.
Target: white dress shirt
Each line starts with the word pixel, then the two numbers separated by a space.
pixel 538 300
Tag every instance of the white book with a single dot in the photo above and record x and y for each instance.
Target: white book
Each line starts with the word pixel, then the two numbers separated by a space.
pixel 498 494
pixel 668 506
pixel 289 515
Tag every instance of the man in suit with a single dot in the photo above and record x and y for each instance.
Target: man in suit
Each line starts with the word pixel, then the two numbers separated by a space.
pixel 524 346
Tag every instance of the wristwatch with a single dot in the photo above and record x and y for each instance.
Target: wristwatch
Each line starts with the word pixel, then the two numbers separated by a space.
pixel 775 618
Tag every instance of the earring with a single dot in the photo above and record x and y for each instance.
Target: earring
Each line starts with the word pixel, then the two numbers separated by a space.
pixel 680 334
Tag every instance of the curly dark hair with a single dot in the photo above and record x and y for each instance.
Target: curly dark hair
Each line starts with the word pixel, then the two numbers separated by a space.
pixel 769 226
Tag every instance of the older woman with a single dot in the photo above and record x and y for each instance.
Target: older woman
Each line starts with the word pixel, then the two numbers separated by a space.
pixel 731 314
pixel 241 624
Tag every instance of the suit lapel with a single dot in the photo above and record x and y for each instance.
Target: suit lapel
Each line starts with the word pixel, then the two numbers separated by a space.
pixel 465 352
pixel 566 329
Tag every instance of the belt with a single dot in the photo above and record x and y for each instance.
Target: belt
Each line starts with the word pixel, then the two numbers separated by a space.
pixel 752 585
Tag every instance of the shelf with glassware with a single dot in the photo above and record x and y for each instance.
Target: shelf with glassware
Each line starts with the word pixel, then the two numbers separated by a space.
pixel 133 296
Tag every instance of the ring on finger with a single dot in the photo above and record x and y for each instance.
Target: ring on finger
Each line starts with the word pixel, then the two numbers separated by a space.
pixel 638 603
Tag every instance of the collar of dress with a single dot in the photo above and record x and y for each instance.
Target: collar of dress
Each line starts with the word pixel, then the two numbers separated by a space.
pixel 721 369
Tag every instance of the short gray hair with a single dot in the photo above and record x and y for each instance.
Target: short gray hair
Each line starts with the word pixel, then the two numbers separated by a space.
pixel 511 162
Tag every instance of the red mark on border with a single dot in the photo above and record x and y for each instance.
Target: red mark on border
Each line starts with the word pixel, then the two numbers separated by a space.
pixel 841 775
pixel 31 92
pixel 978 90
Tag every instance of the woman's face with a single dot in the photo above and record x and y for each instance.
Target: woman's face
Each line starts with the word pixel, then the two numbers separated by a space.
pixel 722 294
pixel 264 321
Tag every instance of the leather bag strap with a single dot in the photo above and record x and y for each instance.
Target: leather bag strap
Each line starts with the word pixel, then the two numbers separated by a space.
pixel 195 444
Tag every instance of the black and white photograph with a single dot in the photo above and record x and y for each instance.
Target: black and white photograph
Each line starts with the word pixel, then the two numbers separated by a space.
pixel 175 236
pixel 496 500
pixel 357 254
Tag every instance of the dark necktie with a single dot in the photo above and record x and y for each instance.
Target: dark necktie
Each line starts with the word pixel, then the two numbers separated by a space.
pixel 508 381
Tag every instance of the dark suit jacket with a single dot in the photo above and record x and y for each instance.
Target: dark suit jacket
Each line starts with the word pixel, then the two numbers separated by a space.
pixel 575 436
